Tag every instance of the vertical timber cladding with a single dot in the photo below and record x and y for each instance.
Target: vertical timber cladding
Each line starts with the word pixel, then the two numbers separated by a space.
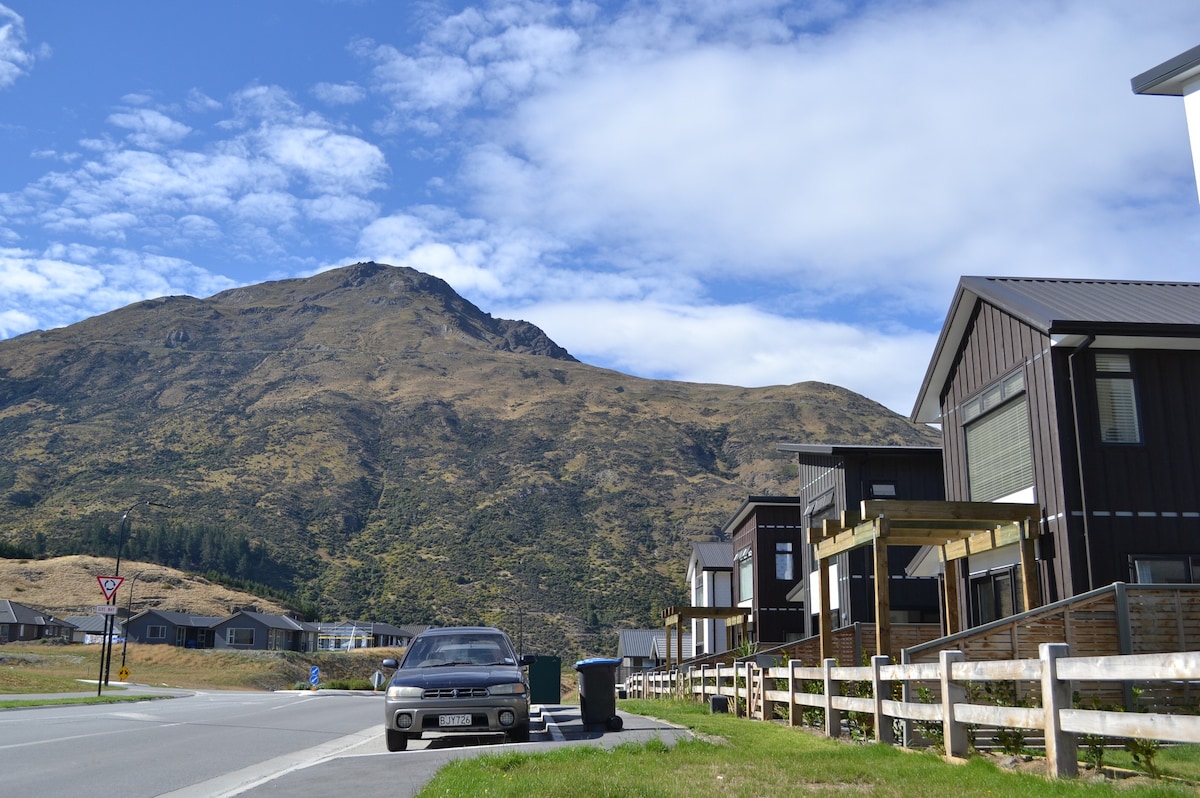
pixel 1138 497
pixel 994 345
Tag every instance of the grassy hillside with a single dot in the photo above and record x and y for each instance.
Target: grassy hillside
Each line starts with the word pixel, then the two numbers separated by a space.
pixel 378 446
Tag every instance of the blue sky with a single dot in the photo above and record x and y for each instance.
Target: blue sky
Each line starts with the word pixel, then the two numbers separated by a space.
pixel 746 192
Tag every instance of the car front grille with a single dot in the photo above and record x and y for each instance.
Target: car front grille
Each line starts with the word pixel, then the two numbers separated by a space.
pixel 457 692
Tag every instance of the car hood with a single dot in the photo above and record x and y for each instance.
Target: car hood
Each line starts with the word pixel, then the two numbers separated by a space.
pixel 456 676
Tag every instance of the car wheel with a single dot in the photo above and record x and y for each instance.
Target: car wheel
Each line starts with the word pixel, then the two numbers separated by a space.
pixel 396 741
pixel 519 734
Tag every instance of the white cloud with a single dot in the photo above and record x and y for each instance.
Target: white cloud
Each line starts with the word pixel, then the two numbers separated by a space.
pixel 339 93
pixel 15 59
pixel 149 128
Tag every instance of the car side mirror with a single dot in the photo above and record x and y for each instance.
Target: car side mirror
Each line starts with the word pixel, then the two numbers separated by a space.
pixel 528 659
pixel 390 663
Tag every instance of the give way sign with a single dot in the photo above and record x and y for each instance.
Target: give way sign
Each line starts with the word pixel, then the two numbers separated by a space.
pixel 109 585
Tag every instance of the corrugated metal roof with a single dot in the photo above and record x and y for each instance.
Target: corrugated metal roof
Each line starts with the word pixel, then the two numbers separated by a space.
pixel 1063 307
pixel 637 642
pixel 1051 303
pixel 713 556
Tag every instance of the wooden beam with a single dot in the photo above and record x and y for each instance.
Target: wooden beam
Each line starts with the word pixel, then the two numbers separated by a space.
pixel 883 596
pixel 997 512
pixel 861 535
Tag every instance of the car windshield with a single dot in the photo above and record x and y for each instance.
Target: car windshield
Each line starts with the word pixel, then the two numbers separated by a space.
pixel 467 649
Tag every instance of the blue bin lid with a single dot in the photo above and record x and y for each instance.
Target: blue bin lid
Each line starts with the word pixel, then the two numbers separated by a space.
pixel 583 663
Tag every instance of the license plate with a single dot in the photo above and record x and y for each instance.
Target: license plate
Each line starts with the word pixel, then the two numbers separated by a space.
pixel 454 720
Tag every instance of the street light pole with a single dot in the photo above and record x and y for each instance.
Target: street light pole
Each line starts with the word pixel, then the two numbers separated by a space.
pixel 128 614
pixel 125 524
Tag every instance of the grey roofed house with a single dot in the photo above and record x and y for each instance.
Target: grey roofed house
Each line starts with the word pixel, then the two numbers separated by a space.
pixel 1078 397
pixel 20 622
pixel 173 628
pixel 90 628
pixel 260 631
pixel 1177 77
pixel 646 648
pixel 347 635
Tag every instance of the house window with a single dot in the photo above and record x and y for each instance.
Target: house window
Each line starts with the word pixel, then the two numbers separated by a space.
pixel 784 570
pixel 1116 399
pixel 745 573
pixel 156 633
pixel 994 596
pixel 1165 570
pixel 999 453
pixel 883 490
pixel 239 637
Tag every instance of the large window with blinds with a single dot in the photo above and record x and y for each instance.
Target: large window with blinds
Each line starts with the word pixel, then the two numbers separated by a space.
pixel 999 451
pixel 1116 399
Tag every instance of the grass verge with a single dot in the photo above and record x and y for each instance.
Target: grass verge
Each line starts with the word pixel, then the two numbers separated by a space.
pixel 737 757
pixel 18 703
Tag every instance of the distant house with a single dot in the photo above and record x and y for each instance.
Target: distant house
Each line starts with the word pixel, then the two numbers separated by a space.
pixel 260 631
pixel 19 622
pixel 90 628
pixel 710 584
pixel 171 628
pixel 348 635
pixel 767 534
pixel 643 649
pixel 1079 397
pixel 834 479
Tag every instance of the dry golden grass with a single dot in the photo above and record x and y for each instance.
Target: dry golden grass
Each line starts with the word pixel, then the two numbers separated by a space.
pixel 170 666
pixel 66 586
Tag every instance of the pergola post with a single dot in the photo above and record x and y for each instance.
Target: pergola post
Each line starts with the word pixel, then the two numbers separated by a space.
pixel 883 596
pixel 824 618
pixel 950 593
pixel 1029 585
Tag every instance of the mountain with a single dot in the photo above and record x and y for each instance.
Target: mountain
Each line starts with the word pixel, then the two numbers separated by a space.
pixel 379 447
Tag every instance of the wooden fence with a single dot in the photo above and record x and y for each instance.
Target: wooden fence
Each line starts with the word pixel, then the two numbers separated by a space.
pixel 942 698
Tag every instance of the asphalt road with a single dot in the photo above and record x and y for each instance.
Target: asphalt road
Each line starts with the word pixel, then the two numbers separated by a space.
pixel 215 744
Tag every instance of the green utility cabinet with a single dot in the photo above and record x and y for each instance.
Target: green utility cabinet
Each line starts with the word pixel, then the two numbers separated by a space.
pixel 545 680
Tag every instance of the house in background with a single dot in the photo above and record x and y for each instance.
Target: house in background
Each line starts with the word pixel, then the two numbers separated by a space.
pixel 171 628
pixel 644 649
pixel 1078 396
pixel 19 622
pixel 710 584
pixel 767 536
pixel 90 628
pixel 834 479
pixel 349 635
pixel 260 631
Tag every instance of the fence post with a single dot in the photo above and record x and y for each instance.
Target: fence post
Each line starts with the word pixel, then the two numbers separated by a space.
pixel 794 717
pixel 1062 751
pixel 883 723
pixel 906 695
pixel 954 734
pixel 833 717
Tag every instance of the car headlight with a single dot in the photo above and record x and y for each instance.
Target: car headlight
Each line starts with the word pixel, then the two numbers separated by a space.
pixel 405 692
pixel 513 688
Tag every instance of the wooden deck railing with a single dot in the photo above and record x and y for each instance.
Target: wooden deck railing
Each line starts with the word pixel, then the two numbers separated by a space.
pixel 934 696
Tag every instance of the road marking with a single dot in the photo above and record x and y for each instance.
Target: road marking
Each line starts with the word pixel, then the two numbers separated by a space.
pixel 248 778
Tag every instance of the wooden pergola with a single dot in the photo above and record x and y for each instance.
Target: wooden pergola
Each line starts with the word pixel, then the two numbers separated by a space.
pixel 958 529
pixel 675 617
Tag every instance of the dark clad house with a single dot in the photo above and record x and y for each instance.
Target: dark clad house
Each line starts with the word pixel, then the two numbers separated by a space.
pixel 767 536
pixel 836 478
pixel 1079 396
pixel 260 631
pixel 19 622
pixel 171 628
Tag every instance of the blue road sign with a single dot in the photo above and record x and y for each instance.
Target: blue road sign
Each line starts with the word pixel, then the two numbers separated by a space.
pixel 314 675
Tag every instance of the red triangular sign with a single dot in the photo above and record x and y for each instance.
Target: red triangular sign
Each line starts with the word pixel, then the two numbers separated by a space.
pixel 109 585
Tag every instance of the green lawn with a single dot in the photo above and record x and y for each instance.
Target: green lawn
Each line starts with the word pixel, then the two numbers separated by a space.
pixel 738 757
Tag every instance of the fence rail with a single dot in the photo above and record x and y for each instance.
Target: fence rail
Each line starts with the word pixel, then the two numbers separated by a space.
pixel 935 696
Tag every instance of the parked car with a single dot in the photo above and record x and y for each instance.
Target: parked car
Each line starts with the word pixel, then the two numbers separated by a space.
pixel 457 680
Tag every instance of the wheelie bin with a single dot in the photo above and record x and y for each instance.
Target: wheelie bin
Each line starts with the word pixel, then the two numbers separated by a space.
pixel 598 692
